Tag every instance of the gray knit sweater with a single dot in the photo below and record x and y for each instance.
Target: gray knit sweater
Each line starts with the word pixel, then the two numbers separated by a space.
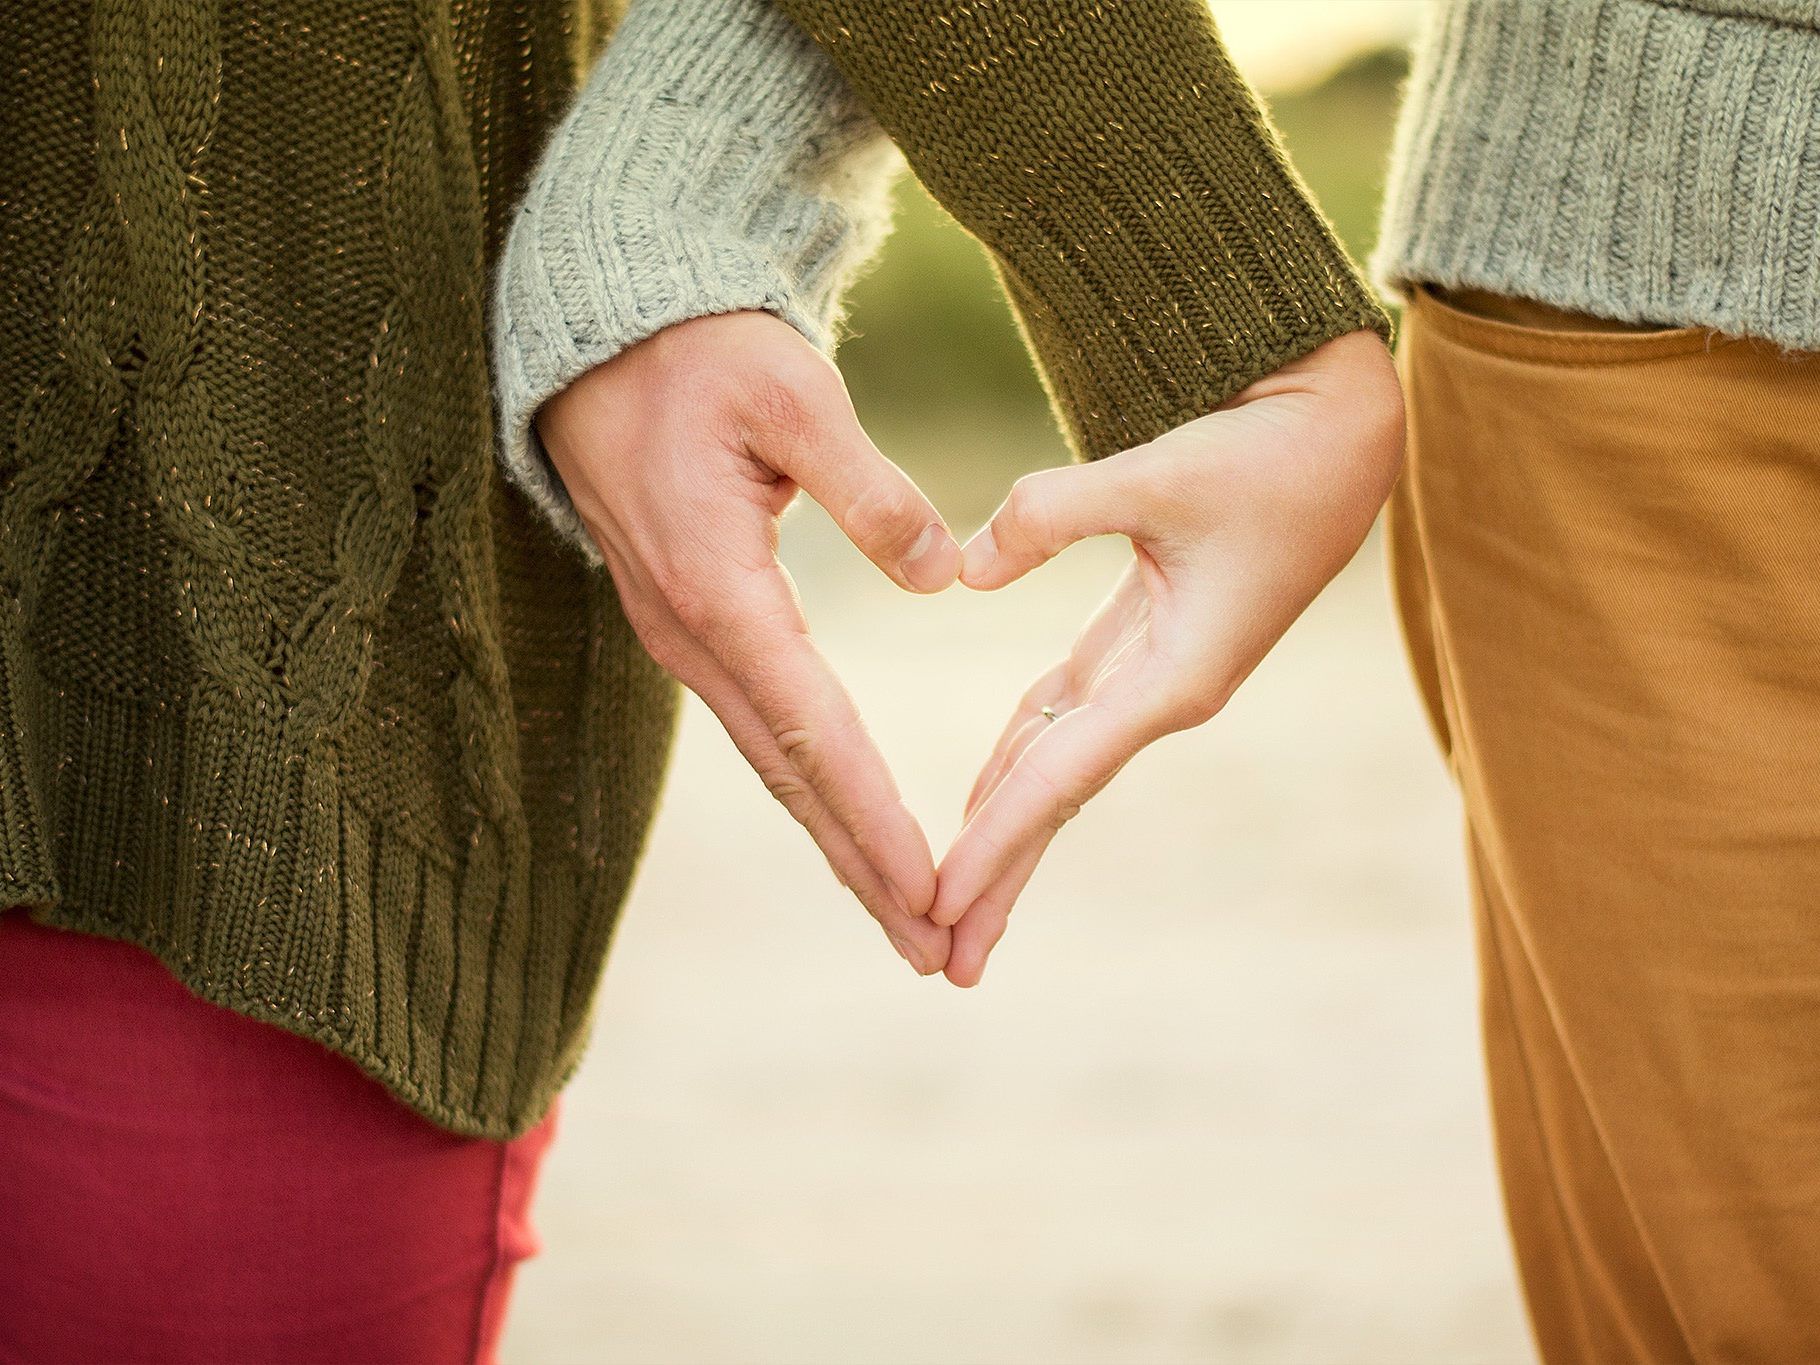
pixel 715 161
pixel 1646 160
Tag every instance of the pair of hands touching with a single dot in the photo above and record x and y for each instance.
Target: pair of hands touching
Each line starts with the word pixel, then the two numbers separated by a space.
pixel 682 452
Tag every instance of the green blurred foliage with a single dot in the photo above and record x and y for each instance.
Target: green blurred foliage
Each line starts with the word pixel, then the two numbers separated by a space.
pixel 934 360
pixel 1338 134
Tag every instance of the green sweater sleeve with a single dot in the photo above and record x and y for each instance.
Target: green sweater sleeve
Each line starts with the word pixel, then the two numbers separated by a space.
pixel 1157 247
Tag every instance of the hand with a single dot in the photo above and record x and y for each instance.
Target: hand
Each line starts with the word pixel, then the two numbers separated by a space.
pixel 1237 519
pixel 680 455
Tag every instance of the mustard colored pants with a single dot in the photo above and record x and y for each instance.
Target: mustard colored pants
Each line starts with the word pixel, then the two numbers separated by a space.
pixel 1606 552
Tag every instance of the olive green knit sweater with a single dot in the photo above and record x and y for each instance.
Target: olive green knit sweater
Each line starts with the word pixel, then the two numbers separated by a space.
pixel 295 690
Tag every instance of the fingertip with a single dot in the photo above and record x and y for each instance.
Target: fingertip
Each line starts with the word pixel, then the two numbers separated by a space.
pixel 915 896
pixel 966 966
pixel 934 562
pixel 979 557
pixel 947 909
pixel 924 947
pixel 902 903
pixel 946 915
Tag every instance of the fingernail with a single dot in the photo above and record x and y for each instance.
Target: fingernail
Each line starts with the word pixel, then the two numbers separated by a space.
pixel 979 554
pixel 900 900
pixel 933 560
pixel 903 951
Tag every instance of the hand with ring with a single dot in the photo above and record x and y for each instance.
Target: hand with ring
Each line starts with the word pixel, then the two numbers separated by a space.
pixel 1237 519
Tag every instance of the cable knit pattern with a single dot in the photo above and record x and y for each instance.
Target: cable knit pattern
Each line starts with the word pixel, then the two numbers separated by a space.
pixel 296 691
pixel 290 694
pixel 715 161
pixel 1635 159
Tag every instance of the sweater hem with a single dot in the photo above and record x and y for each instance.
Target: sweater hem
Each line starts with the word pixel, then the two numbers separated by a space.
pixel 1624 158
pixel 289 1014
pixel 457 973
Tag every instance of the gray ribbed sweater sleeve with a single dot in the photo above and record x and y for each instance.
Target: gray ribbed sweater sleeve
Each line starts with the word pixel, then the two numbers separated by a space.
pixel 715 161
pixel 1645 160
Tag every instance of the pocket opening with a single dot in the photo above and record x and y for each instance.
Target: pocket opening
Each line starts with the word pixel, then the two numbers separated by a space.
pixel 1556 341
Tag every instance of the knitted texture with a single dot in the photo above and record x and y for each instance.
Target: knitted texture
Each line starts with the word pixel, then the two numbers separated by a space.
pixel 295 690
pixel 1650 162
pixel 715 161
pixel 1159 251
pixel 291 692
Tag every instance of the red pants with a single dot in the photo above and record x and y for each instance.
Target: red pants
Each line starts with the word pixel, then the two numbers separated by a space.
pixel 179 1183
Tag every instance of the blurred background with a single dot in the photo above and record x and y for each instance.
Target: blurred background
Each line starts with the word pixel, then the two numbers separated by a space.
pixel 1218 1098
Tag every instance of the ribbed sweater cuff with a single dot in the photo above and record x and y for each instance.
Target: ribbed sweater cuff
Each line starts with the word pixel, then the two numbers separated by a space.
pixel 714 162
pixel 1641 161
pixel 1161 253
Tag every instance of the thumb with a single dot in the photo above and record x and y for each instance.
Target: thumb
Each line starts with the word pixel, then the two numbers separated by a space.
pixel 1048 511
pixel 826 452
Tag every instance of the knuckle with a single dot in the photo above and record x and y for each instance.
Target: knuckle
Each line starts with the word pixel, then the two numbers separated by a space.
pixel 665 578
pixel 811 749
pixel 666 651
pixel 1060 804
pixel 685 581
pixel 795 742
pixel 697 612
pixel 773 400
pixel 1188 713
pixel 787 394
pixel 786 787
pixel 792 793
pixel 1029 510
pixel 803 749
pixel 806 752
pixel 886 517
pixel 1179 479
pixel 1172 489
pixel 1185 708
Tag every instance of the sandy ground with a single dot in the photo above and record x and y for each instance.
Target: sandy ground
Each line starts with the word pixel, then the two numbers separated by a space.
pixel 1217 1100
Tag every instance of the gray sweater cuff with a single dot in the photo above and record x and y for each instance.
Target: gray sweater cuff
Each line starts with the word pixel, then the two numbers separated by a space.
pixel 714 162
pixel 1655 163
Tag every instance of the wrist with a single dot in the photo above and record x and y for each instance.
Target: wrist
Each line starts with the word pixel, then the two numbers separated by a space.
pixel 714 163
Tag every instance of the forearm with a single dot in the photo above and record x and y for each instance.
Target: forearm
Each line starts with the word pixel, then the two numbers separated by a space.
pixel 1161 253
pixel 715 161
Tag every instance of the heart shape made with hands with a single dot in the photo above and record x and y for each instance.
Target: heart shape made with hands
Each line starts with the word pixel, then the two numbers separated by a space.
pixel 682 452
pixel 1011 812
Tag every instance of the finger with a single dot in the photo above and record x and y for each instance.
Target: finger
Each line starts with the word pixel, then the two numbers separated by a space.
pixel 922 944
pixel 1114 630
pixel 1045 691
pixel 1016 740
pixel 818 443
pixel 1061 769
pixel 981 928
pixel 956 910
pixel 1013 750
pixel 761 641
pixel 1048 511
pixel 952 912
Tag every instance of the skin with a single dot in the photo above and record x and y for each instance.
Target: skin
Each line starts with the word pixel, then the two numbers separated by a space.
pixel 1236 520
pixel 682 453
